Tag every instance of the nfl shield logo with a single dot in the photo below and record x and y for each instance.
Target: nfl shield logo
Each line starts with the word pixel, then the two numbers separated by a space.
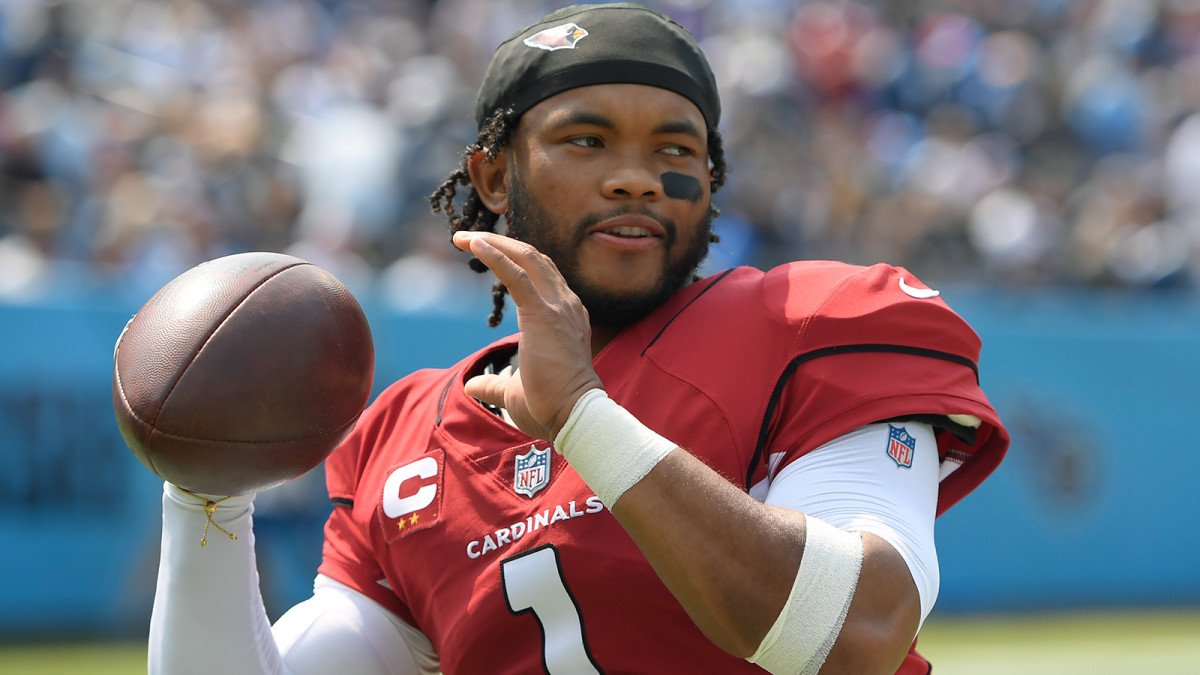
pixel 533 471
pixel 901 446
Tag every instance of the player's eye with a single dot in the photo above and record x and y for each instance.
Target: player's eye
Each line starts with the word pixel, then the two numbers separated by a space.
pixel 586 141
pixel 678 151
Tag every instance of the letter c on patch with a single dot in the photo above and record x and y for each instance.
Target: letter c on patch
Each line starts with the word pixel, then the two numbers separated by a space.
pixel 395 506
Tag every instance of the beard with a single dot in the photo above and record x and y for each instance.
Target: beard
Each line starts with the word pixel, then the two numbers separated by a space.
pixel 529 222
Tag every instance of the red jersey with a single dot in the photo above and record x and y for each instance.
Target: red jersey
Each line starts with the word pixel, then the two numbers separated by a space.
pixel 490 544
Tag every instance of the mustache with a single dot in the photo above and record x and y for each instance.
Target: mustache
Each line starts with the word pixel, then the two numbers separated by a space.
pixel 588 221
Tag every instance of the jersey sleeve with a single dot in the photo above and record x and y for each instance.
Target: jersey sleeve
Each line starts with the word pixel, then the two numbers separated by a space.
pixel 878 345
pixel 348 554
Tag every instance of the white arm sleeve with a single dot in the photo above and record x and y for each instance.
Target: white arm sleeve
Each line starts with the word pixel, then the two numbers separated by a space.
pixel 853 484
pixel 340 630
pixel 209 617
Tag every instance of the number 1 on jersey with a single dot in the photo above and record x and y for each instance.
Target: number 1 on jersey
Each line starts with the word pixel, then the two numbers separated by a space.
pixel 533 582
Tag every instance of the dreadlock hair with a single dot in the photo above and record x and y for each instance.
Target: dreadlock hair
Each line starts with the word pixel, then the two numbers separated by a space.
pixel 475 217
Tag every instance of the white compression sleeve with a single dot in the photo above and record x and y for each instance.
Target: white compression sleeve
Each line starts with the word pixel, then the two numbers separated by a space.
pixel 854 485
pixel 208 612
pixel 209 616
pixel 340 630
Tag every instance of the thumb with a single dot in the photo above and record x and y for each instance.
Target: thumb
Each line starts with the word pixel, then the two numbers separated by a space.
pixel 489 388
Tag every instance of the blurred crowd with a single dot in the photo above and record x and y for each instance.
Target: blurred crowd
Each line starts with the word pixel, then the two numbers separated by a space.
pixel 1026 142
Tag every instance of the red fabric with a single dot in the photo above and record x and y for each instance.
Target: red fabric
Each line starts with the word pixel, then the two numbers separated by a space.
pixel 710 371
pixel 914 663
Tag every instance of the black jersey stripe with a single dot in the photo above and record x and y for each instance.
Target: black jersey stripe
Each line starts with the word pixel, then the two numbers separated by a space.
pixel 682 309
pixel 442 398
pixel 342 501
pixel 796 362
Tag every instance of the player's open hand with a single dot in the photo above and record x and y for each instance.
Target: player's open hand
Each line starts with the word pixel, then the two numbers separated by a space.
pixel 555 345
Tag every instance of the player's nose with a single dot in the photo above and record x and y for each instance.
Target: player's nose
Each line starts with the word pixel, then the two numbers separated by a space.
pixel 632 178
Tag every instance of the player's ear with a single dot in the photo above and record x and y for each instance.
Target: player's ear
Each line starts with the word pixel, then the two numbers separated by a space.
pixel 490 178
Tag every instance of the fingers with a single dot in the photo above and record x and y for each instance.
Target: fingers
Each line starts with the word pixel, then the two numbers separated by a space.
pixel 489 388
pixel 520 267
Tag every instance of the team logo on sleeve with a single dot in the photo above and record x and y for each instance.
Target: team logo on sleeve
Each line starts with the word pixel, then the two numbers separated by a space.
pixel 532 471
pixel 412 496
pixel 901 446
pixel 558 37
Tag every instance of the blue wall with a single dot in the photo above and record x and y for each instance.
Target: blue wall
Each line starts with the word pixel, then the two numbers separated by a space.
pixel 1093 507
pixel 1096 503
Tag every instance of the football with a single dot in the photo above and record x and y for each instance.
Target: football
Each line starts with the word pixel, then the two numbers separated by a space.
pixel 242 373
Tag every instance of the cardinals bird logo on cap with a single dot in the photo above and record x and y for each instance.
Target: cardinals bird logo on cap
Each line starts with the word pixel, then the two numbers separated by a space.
pixel 558 37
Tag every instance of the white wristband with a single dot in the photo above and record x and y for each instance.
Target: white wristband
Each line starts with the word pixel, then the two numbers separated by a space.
pixel 609 448
pixel 812 618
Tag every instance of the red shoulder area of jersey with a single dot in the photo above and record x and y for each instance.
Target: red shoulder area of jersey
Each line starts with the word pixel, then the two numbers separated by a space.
pixel 834 346
pixel 348 462
pixel 843 305
pixel 840 304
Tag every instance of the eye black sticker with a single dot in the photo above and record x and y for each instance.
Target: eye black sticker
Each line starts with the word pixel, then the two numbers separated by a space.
pixel 681 186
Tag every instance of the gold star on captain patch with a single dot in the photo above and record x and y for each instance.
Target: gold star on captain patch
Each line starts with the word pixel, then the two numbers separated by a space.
pixel 413 520
pixel 400 524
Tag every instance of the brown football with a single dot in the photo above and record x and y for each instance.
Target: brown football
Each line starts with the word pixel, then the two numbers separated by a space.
pixel 242 373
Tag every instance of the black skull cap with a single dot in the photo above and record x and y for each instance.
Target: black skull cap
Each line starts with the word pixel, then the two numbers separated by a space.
pixel 583 45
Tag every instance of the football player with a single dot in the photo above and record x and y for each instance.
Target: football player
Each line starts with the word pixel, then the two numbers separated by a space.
pixel 657 473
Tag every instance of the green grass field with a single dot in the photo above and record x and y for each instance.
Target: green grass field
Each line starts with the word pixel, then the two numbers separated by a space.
pixel 1066 644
